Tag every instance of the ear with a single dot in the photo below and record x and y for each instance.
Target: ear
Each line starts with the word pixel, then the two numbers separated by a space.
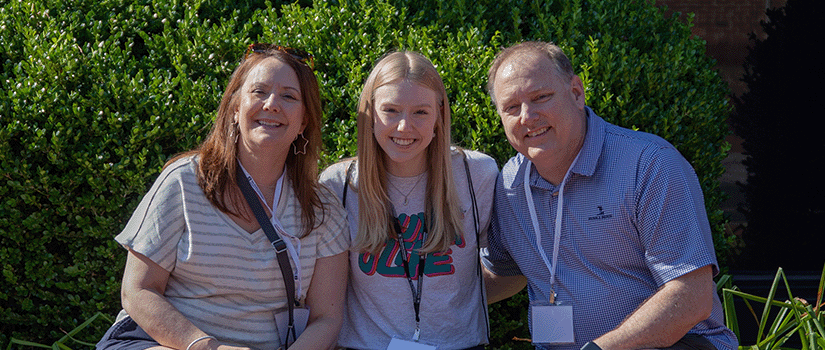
pixel 304 123
pixel 577 89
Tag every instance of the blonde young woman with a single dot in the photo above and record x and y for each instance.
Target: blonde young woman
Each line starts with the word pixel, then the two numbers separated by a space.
pixel 201 272
pixel 418 210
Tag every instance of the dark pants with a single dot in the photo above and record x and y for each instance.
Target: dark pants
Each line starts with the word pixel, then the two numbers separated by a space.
pixel 126 335
pixel 477 347
pixel 692 342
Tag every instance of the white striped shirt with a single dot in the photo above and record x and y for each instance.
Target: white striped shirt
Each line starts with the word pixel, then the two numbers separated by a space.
pixel 223 279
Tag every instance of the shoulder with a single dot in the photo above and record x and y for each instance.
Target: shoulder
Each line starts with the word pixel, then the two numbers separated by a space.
pixel 162 208
pixel 183 169
pixel 626 146
pixel 183 164
pixel 623 137
pixel 647 156
pixel 511 169
pixel 335 175
pixel 478 162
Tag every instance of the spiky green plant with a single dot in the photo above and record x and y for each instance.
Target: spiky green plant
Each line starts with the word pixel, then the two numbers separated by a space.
pixel 793 317
pixel 61 344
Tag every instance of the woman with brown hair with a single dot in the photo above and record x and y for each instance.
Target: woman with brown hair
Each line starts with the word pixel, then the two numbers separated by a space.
pixel 236 246
pixel 418 212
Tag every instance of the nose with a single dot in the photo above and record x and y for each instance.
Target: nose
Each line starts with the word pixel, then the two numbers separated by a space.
pixel 403 122
pixel 271 103
pixel 528 114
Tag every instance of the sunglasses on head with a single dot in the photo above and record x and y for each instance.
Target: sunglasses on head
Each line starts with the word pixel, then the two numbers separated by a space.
pixel 300 55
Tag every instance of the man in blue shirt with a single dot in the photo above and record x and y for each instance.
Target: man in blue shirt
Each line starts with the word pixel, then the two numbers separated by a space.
pixel 605 225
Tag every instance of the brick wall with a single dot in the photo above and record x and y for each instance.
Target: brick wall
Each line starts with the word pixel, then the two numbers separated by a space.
pixel 725 25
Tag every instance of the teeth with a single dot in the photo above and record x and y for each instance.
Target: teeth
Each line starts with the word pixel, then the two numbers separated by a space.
pixel 262 122
pixel 403 142
pixel 537 132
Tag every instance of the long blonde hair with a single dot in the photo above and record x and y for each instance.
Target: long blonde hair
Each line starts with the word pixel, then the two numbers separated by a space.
pixel 444 218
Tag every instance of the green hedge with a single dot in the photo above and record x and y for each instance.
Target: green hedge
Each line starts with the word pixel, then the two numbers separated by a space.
pixel 96 95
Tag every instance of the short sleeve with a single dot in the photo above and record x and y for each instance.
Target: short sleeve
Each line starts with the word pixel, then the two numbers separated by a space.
pixel 333 233
pixel 671 216
pixel 496 257
pixel 158 222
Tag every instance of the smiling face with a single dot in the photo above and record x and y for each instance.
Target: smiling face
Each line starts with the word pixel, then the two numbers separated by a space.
pixel 542 112
pixel 270 112
pixel 404 125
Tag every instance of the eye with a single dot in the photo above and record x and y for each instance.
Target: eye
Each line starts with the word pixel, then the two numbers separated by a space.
pixel 511 109
pixel 422 112
pixel 543 97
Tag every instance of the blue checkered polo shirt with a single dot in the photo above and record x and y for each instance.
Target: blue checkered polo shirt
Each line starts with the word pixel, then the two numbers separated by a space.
pixel 633 219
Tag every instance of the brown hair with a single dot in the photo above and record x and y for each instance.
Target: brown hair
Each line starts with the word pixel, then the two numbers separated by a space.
pixel 217 164
pixel 553 52
pixel 375 210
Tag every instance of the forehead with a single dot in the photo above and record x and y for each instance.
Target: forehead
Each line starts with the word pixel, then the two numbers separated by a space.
pixel 272 71
pixel 524 71
pixel 406 92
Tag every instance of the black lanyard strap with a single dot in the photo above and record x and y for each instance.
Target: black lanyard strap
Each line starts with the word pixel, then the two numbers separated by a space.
pixel 417 292
pixel 405 259
pixel 478 240
pixel 277 243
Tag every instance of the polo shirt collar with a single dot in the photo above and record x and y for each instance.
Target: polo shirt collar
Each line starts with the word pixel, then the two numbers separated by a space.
pixel 592 147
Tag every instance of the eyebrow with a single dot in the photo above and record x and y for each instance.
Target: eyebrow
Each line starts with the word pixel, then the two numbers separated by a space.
pixel 423 105
pixel 267 85
pixel 541 90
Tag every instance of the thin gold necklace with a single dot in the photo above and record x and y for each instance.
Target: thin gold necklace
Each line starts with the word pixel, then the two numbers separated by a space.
pixel 421 176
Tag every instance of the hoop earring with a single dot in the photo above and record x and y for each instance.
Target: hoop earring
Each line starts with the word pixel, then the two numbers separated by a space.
pixel 295 148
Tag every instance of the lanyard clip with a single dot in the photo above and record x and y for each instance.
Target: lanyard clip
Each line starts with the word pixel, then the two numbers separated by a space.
pixel 279 245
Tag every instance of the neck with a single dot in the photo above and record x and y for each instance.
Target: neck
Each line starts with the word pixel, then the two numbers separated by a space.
pixel 554 170
pixel 406 172
pixel 409 169
pixel 554 173
pixel 264 170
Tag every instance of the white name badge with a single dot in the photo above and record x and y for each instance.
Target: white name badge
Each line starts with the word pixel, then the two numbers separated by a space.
pixel 398 344
pixel 552 324
pixel 300 317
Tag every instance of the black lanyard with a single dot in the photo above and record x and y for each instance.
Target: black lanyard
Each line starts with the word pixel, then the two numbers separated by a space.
pixel 351 169
pixel 277 243
pixel 416 292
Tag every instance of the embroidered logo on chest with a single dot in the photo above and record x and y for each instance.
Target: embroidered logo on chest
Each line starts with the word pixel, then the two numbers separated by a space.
pixel 600 214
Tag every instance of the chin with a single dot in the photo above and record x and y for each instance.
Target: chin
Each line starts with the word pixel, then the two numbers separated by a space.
pixel 536 153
